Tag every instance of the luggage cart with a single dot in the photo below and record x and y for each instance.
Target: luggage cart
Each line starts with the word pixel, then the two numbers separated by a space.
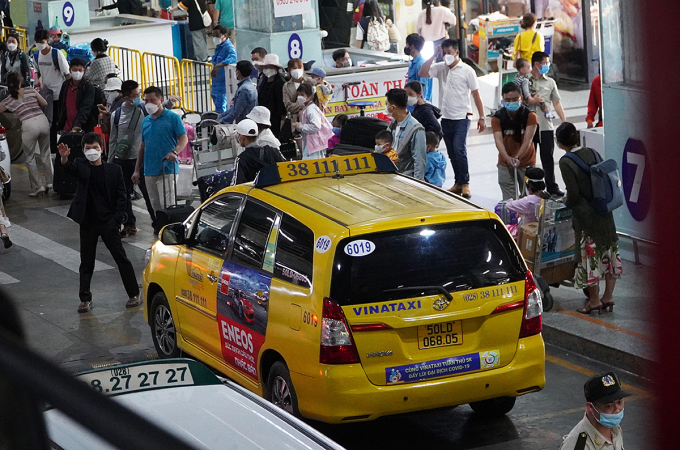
pixel 549 247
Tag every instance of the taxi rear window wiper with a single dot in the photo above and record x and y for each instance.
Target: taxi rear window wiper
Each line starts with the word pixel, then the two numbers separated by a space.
pixel 440 289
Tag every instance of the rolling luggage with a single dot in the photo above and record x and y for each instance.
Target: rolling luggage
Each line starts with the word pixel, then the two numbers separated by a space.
pixel 64 184
pixel 508 217
pixel 171 214
pixel 346 149
pixel 210 184
pixel 361 131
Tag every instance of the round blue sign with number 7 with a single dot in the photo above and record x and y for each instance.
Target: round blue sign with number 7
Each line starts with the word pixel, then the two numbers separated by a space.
pixel 635 176
pixel 68 14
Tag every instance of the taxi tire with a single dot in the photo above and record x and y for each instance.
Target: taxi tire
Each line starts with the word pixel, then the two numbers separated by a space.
pixel 159 305
pixel 279 377
pixel 494 407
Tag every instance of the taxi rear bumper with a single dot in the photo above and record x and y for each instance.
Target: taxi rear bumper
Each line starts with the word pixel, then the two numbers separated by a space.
pixel 344 394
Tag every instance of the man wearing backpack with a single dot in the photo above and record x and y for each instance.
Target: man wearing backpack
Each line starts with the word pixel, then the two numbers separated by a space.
pixel 125 141
pixel 513 131
pixel 51 71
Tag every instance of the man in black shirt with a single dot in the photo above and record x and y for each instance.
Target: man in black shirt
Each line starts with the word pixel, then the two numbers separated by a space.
pixel 254 157
pixel 133 7
pixel 99 208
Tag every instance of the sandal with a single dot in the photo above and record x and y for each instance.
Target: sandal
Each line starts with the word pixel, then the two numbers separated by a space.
pixel 608 306
pixel 5 240
pixel 587 309
pixel 85 307
pixel 134 302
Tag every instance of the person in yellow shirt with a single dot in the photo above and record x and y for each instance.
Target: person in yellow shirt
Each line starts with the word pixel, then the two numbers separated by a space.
pixel 528 41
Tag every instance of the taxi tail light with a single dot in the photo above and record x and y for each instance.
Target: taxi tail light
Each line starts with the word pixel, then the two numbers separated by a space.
pixel 533 306
pixel 337 344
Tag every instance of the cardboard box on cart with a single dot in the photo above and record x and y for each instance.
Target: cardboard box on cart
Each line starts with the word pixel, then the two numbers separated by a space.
pixel 528 240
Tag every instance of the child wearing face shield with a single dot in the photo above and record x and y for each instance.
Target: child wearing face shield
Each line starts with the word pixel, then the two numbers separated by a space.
pixel 313 125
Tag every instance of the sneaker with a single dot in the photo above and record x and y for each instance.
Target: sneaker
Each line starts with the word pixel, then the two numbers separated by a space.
pixel 134 302
pixel 456 189
pixel 6 241
pixel 85 306
pixel 556 192
pixel 466 191
pixel 550 115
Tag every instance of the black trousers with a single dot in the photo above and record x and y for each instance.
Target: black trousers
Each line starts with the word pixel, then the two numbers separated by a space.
pixel 110 234
pixel 128 166
pixel 545 140
pixel 145 193
pixel 53 128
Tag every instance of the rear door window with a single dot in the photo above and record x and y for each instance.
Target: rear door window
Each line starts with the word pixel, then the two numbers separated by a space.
pixel 294 252
pixel 252 235
pixel 457 256
pixel 215 223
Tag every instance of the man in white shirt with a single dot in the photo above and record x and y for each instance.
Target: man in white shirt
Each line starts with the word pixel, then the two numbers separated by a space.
pixel 457 81
pixel 52 70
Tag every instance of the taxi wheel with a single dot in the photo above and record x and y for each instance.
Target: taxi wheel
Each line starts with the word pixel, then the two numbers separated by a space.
pixel 281 390
pixel 163 330
pixel 495 407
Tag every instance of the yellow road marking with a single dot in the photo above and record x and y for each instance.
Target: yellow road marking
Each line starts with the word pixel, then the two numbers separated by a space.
pixel 640 393
pixel 20 167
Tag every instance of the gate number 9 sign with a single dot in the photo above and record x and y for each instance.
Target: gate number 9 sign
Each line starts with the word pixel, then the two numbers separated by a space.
pixel 68 13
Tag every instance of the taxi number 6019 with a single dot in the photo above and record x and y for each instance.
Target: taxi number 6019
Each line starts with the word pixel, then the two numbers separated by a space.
pixel 359 248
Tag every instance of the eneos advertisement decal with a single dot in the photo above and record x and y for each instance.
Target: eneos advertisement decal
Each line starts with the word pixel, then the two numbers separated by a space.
pixel 242 300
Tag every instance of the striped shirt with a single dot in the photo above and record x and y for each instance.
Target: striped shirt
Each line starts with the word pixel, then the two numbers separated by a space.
pixel 25 109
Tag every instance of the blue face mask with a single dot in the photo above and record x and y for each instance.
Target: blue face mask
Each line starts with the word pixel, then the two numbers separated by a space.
pixel 544 69
pixel 609 420
pixel 337 131
pixel 512 106
pixel 137 101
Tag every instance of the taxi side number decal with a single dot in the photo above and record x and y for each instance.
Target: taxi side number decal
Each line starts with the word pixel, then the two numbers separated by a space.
pixel 323 244
pixel 310 319
pixel 360 247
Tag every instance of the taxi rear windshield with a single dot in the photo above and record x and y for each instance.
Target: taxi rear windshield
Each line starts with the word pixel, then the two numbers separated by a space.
pixel 457 256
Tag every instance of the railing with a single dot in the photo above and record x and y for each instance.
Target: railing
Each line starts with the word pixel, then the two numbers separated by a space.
pixel 635 240
pixel 195 83
pixel 163 72
pixel 129 62
pixel 23 35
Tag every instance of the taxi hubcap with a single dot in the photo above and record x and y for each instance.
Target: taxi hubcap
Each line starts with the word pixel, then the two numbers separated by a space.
pixel 165 330
pixel 281 395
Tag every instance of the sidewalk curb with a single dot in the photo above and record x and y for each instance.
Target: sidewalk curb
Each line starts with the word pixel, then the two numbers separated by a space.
pixel 636 364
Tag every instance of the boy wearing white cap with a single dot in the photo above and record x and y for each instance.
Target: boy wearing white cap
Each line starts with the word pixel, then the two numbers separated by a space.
pixel 254 157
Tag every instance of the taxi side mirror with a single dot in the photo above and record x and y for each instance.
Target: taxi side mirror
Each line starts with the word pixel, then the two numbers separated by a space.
pixel 173 234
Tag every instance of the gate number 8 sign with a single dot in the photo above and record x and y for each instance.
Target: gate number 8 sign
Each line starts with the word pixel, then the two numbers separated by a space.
pixel 294 46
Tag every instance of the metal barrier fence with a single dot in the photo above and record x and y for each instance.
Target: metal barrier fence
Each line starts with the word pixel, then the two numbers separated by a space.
pixel 23 35
pixel 163 72
pixel 196 85
pixel 129 62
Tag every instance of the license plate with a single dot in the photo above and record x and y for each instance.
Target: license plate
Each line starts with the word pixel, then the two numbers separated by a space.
pixel 119 380
pixel 440 334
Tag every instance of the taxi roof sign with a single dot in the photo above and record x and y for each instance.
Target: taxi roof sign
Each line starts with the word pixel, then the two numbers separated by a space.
pixel 333 166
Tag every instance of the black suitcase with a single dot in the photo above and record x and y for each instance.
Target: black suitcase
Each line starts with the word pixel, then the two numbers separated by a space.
pixel 210 184
pixel 289 150
pixel 65 184
pixel 173 213
pixel 361 131
pixel 346 149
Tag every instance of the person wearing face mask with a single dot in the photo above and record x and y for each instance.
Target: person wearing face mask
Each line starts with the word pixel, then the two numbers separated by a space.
pixel 102 65
pixel 125 140
pixel 225 54
pixel 99 208
pixel 254 157
pixel 270 90
pixel 14 60
pixel 51 70
pixel 424 112
pixel 27 104
pixel 245 97
pixel 315 129
pixel 546 93
pixel 457 82
pixel 324 90
pixel 113 91
pixel 408 135
pixel 290 94
pixel 600 427
pixel 414 45
pixel 342 59
pixel 77 98
pixel 514 126
pixel 163 138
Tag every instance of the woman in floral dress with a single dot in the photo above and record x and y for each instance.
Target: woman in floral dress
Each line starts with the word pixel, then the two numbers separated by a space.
pixel 599 250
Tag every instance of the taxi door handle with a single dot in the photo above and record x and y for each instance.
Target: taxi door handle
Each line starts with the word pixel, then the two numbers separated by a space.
pixel 212 278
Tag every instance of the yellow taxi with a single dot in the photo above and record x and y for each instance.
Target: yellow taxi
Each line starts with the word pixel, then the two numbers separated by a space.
pixel 342 291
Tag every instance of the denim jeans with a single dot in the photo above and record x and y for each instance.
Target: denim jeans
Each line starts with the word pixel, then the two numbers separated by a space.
pixel 455 137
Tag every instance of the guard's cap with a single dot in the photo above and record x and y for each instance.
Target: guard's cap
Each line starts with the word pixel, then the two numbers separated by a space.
pixel 604 388
pixel 247 127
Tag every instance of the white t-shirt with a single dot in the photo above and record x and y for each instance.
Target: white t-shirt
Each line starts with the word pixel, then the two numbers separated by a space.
pixel 52 79
pixel 455 92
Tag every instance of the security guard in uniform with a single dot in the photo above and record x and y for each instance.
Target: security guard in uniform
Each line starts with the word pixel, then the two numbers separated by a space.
pixel 599 429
